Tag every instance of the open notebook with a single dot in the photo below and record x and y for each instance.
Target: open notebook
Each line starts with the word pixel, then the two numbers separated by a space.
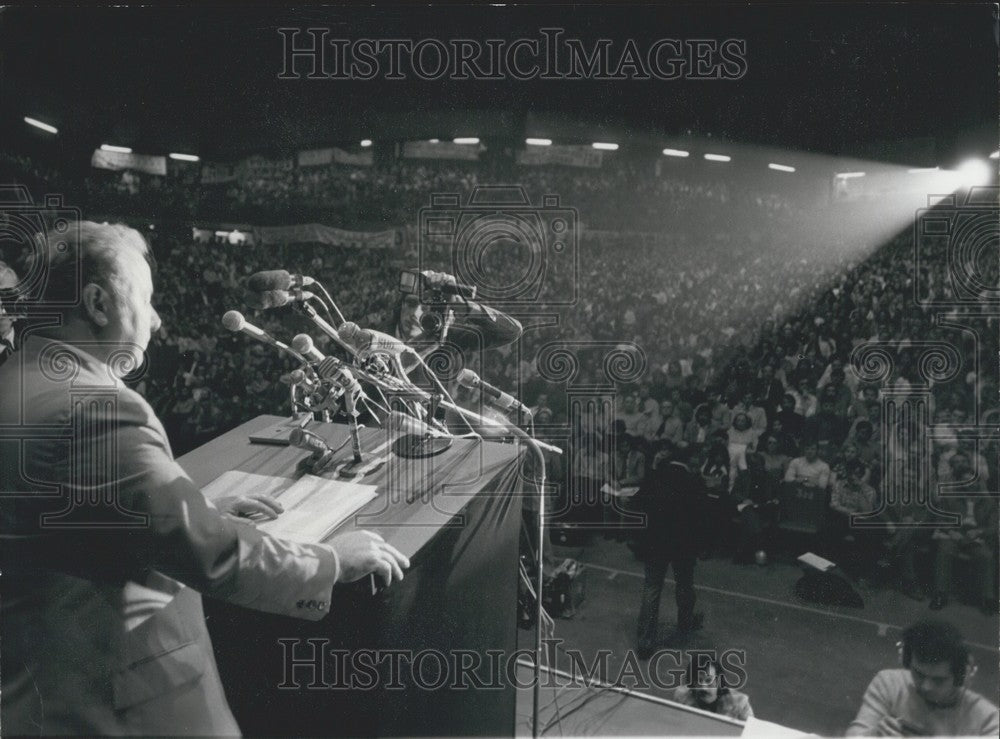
pixel 314 506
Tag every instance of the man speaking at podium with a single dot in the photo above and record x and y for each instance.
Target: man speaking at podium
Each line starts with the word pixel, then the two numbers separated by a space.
pixel 106 542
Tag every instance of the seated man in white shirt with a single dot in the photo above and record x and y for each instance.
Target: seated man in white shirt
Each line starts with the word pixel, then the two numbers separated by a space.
pixel 629 415
pixel 930 695
pixel 671 426
pixel 809 469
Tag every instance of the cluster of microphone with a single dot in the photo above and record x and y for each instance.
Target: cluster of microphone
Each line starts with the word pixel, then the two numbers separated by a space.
pixel 277 288
pixel 327 385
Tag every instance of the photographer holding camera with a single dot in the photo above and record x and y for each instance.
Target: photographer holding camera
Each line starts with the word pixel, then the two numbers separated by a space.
pixel 434 309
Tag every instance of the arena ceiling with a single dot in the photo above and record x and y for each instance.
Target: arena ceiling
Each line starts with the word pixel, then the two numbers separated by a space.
pixel 824 78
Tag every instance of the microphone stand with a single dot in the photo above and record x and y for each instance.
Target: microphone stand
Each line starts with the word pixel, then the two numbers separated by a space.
pixel 535 446
pixel 309 312
pixel 303 308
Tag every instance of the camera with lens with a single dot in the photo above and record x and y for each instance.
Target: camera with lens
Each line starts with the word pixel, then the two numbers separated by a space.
pixel 435 295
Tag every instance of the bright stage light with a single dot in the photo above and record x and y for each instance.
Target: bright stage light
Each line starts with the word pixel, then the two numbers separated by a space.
pixel 366 143
pixel 184 157
pixel 718 158
pixel 605 146
pixel 117 149
pixel 780 167
pixel 38 124
pixel 676 153
pixel 538 142
pixel 974 172
pixel 849 175
pixel 466 140
pixel 995 155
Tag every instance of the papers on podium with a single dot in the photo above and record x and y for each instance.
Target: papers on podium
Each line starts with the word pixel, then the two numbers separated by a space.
pixel 314 506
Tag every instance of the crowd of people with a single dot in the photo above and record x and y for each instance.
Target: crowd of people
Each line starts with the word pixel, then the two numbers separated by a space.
pixel 359 196
pixel 746 335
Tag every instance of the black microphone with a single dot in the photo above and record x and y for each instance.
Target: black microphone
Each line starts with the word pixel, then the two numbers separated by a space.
pixel 234 321
pixel 497 397
pixel 277 279
pixel 268 299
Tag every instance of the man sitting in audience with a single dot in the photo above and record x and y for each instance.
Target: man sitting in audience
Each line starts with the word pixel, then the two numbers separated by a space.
pixel 973 540
pixel 840 392
pixel 757 415
pixel 826 426
pixel 809 470
pixel 929 695
pixel 791 420
pixel 700 428
pixel 855 548
pixel 805 400
pixel 775 459
pixel 671 427
pixel 629 414
pixel 742 439
pixel 649 410
pixel 860 405
pixel 869 450
pixel 837 365
pixel 769 389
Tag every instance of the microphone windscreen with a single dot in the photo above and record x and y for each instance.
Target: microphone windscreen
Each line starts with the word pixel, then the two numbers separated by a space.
pixel 401 423
pixel 273 279
pixel 349 331
pixel 380 342
pixel 233 320
pixel 303 343
pixel 307 440
pixel 267 299
pixel 468 379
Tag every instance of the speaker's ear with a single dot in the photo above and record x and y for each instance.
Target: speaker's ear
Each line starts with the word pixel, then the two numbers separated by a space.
pixel 971 668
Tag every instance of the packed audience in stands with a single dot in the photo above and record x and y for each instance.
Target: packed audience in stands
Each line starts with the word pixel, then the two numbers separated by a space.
pixel 748 347
pixel 367 196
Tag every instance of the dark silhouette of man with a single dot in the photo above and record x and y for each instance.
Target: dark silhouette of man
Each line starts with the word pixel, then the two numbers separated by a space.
pixel 676 526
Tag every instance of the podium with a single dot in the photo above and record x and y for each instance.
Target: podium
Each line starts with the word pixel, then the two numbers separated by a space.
pixel 426 656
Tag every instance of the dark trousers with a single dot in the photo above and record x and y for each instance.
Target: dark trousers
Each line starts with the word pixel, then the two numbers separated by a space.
pixel 649 609
pixel 754 524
